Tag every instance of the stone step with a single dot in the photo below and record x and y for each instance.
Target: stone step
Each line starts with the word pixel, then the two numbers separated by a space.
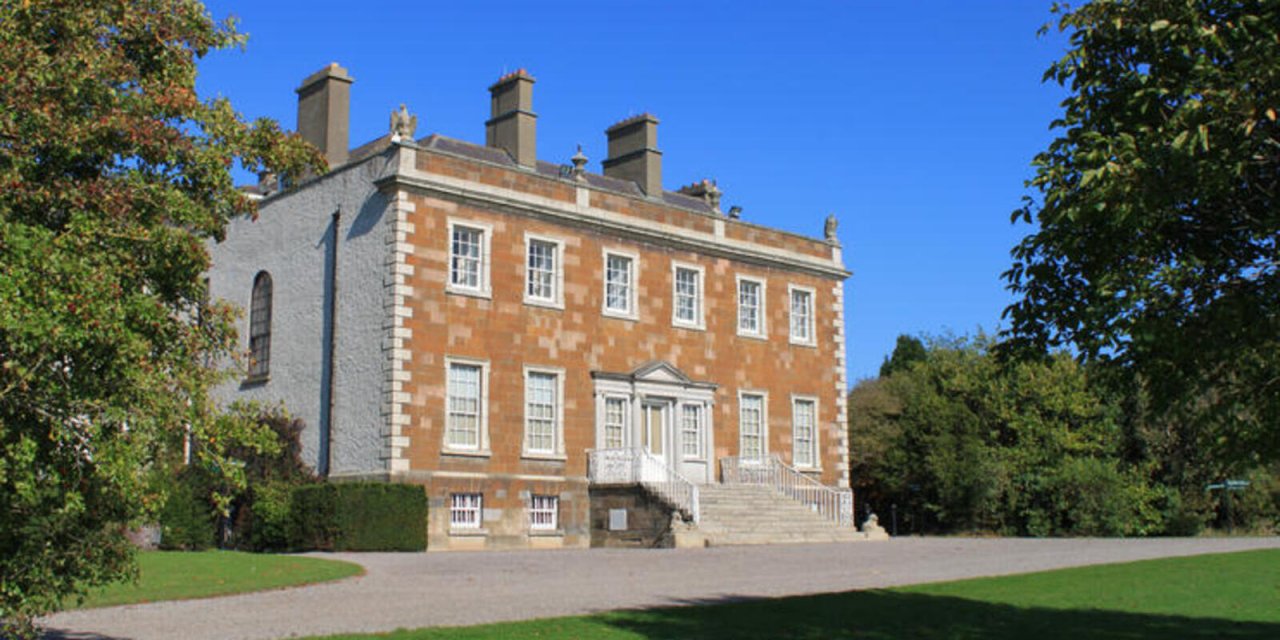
pixel 752 514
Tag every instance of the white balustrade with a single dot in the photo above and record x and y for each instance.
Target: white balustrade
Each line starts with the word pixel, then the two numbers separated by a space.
pixel 637 466
pixel 834 504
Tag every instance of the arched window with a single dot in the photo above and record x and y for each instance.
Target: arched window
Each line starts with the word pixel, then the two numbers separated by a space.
pixel 260 327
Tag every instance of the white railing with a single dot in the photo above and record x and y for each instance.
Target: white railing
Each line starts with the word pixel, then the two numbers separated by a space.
pixel 637 466
pixel 834 504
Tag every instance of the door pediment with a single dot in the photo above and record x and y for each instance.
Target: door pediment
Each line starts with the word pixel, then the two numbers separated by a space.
pixel 655 372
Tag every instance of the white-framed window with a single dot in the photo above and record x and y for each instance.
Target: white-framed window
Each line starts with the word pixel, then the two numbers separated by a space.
pixel 620 277
pixel 751 311
pixel 466 510
pixel 752 426
pixel 544 513
pixel 543 411
pixel 469 257
pixel 544 271
pixel 686 296
pixel 691 430
pixel 466 418
pixel 615 422
pixel 804 431
pixel 802 312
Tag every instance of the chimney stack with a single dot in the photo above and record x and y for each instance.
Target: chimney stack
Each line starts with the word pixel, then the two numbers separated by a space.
pixel 512 122
pixel 324 112
pixel 634 155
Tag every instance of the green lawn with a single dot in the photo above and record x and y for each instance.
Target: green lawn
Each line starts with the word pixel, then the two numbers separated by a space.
pixel 1229 596
pixel 179 575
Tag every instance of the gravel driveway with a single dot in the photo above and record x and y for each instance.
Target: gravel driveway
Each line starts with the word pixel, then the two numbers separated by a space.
pixel 418 590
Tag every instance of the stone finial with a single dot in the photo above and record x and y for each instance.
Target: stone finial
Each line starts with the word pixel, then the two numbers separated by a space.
pixel 829 229
pixel 268 182
pixel 403 124
pixel 707 190
pixel 579 161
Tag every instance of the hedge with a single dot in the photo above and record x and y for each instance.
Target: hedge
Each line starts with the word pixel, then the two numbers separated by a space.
pixel 361 516
pixel 187 520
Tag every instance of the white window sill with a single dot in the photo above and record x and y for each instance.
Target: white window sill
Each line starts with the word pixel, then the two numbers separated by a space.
pixel 621 315
pixel 470 293
pixel 468 533
pixel 804 343
pixel 753 336
pixel 544 457
pixel 545 304
pixel 467 453
pixel 680 324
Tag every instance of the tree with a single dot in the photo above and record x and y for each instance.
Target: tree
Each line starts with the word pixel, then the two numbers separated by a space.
pixel 961 441
pixel 1156 254
pixel 113 175
pixel 906 351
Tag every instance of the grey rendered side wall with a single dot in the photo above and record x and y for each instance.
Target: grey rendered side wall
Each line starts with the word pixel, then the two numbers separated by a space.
pixel 292 240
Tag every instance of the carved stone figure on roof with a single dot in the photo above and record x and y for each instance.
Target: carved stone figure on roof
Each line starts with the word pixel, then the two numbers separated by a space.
pixel 403 124
pixel 829 230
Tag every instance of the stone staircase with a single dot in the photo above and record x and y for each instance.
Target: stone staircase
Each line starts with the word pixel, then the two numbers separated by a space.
pixel 756 514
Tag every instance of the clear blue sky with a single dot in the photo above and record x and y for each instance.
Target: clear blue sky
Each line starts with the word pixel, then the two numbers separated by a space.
pixel 915 122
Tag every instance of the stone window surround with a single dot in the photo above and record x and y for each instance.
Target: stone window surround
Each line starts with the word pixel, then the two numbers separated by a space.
pixel 704 412
pixel 557 279
pixel 558 454
pixel 763 329
pixel 550 507
pixel 461 504
pixel 700 322
pixel 482 448
pixel 813 310
pixel 816 445
pixel 602 438
pixel 632 312
pixel 485 290
pixel 764 422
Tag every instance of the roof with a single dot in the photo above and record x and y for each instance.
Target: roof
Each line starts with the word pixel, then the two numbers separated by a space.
pixel 500 157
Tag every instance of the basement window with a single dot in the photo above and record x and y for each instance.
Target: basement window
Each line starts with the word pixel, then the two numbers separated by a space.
pixel 465 510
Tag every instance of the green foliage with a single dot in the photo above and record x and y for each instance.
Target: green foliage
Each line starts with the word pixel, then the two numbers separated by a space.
pixel 1157 213
pixel 187 519
pixel 261 512
pixel 961 441
pixel 365 516
pixel 113 175
pixel 907 351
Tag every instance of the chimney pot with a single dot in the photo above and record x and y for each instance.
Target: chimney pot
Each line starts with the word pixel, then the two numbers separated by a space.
pixel 512 124
pixel 634 154
pixel 324 112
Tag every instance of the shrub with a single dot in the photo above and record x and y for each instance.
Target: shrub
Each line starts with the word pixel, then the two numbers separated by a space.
pixel 267 525
pixel 365 516
pixel 187 519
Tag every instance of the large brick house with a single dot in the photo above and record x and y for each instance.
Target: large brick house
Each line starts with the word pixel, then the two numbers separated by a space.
pixel 510 332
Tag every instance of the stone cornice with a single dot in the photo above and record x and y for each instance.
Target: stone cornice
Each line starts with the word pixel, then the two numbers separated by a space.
pixel 516 202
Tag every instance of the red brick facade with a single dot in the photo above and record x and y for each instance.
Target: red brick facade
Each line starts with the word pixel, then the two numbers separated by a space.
pixel 506 334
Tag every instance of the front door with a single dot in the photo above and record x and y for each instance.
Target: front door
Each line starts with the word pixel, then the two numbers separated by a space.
pixel 655 430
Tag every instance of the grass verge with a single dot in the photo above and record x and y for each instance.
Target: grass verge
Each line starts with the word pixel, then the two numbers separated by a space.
pixel 181 575
pixel 1229 596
